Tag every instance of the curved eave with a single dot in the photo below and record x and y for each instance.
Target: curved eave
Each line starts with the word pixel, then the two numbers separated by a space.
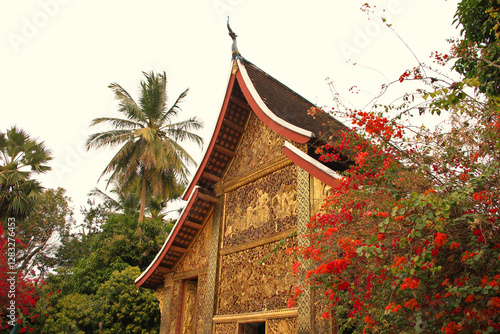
pixel 146 274
pixel 275 123
pixel 312 166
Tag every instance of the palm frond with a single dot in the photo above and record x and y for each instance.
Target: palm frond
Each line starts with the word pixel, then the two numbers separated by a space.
pixel 174 110
pixel 127 104
pixel 109 138
pixel 117 123
pixel 154 95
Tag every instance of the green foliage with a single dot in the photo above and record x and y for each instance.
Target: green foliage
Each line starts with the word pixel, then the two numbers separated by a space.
pixel 98 285
pixel 125 308
pixel 478 51
pixel 116 247
pixel 118 305
pixel 74 313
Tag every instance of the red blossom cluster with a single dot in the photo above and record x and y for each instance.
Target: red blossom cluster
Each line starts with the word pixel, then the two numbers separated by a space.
pixel 440 58
pixel 25 293
pixel 376 125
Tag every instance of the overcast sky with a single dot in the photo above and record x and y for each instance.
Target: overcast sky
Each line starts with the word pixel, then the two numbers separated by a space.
pixel 59 56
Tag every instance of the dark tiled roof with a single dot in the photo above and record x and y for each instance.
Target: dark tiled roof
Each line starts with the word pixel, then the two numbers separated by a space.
pixel 290 106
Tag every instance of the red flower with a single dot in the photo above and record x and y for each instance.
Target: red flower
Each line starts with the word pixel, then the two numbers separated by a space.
pixel 412 304
pixel 479 234
pixel 439 239
pixel 410 283
pixel 369 320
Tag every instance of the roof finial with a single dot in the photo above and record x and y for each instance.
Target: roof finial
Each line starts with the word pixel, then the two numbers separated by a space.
pixel 236 54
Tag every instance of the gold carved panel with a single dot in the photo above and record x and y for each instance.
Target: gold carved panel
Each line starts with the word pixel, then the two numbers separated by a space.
pixel 256 279
pixel 201 295
pixel 197 255
pixel 174 307
pixel 281 326
pixel 320 191
pixel 261 208
pixel 190 306
pixel 258 146
pixel 160 295
pixel 225 328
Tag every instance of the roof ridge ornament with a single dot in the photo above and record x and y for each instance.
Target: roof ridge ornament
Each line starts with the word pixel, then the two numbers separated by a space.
pixel 235 53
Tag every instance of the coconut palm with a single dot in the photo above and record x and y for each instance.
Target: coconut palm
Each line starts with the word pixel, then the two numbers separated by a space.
pixel 20 158
pixel 149 140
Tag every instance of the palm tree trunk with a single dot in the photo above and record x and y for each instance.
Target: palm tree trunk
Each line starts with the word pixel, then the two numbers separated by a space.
pixel 143 204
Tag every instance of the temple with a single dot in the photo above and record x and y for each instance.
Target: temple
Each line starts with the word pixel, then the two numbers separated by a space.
pixel 224 268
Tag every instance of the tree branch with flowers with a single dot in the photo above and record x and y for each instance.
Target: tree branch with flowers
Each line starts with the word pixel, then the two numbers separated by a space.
pixel 409 242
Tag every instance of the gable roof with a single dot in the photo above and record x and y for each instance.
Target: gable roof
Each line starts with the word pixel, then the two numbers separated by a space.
pixel 249 90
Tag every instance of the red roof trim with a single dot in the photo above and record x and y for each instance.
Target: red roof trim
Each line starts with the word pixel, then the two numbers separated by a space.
pixel 161 254
pixel 311 166
pixel 204 162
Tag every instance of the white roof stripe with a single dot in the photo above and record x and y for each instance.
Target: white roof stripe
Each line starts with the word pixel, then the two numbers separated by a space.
pixel 312 161
pixel 264 107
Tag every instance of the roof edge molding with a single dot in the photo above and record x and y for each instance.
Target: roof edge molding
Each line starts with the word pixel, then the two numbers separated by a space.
pixel 312 166
pixel 139 281
pixel 274 122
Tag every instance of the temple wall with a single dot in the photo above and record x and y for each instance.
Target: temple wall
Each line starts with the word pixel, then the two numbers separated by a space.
pixel 280 326
pixel 225 328
pixel 196 256
pixel 261 208
pixel 259 145
pixel 182 299
pixel 256 279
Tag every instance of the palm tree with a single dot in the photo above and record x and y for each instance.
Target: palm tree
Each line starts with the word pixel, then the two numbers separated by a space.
pixel 20 158
pixel 149 140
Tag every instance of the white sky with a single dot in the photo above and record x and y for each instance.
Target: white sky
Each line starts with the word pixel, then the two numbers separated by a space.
pixel 58 57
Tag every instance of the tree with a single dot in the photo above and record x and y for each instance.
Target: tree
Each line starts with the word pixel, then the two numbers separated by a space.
pixel 150 140
pixel 41 232
pixel 409 240
pixel 20 158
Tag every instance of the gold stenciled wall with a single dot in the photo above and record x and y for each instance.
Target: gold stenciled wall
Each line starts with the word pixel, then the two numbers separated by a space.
pixel 261 208
pixel 186 287
pixel 255 271
pixel 249 284
pixel 259 145
pixel 197 255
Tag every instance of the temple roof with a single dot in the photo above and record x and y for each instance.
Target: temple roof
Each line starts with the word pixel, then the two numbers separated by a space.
pixel 288 105
pixel 249 89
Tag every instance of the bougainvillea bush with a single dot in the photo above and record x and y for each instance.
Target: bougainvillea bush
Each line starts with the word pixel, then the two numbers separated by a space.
pixel 18 293
pixel 409 242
